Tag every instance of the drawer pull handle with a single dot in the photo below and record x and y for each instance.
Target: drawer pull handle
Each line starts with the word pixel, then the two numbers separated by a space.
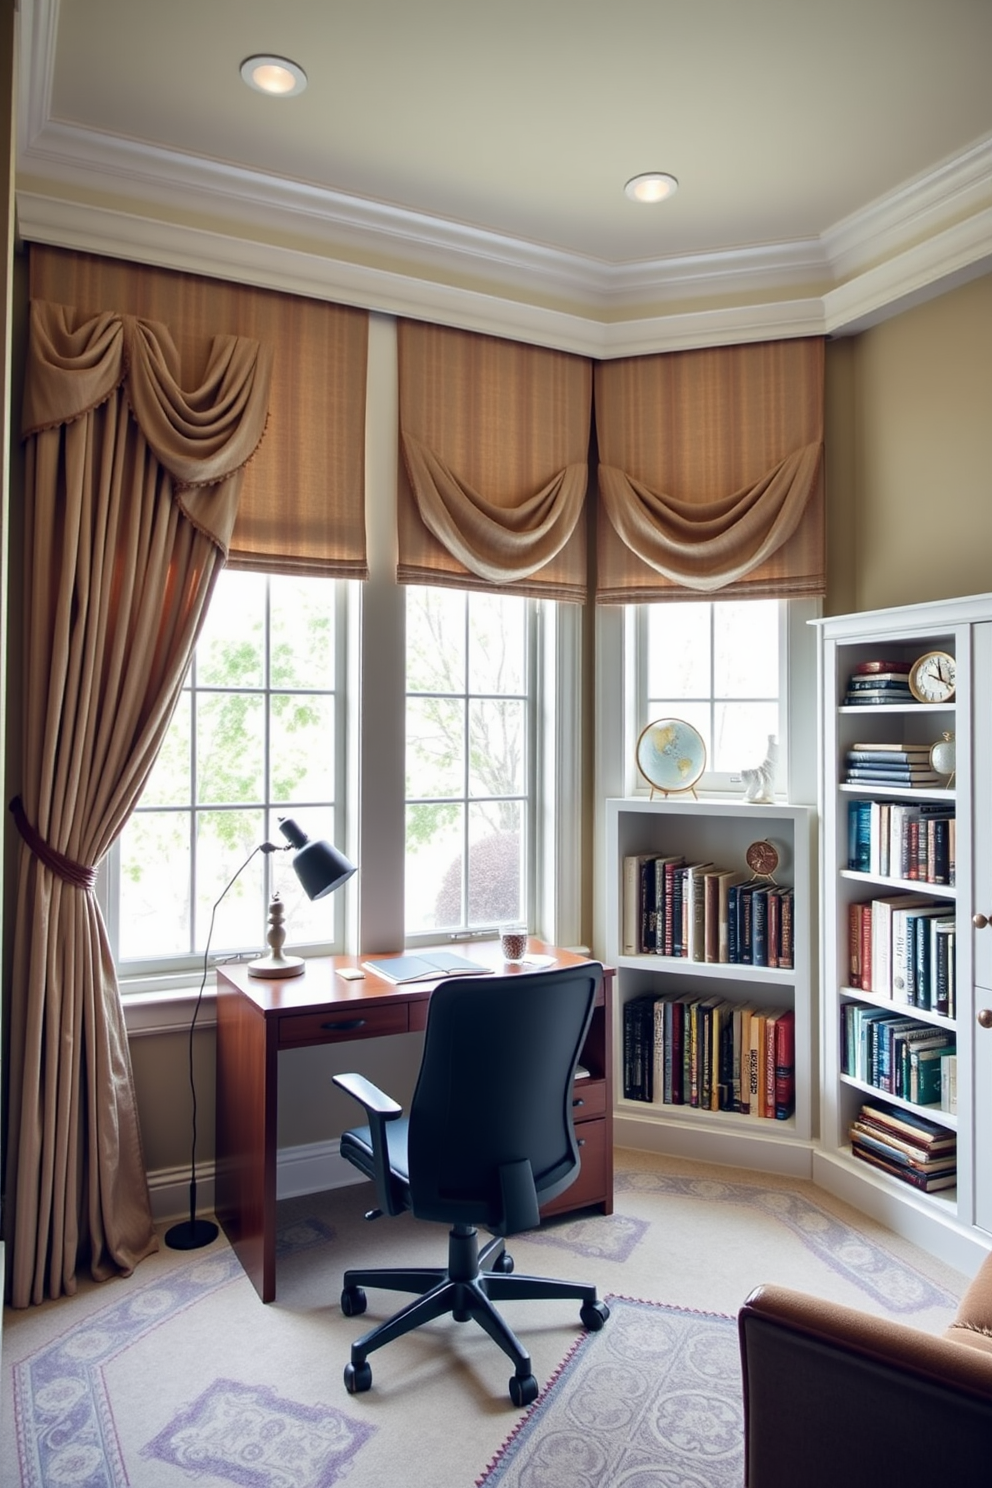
pixel 344 1026
pixel 581 1142
pixel 577 1103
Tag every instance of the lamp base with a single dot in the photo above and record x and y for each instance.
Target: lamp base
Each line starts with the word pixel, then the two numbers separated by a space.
pixel 276 966
pixel 191 1234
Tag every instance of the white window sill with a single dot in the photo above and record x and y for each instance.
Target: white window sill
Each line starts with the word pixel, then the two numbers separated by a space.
pixel 170 1011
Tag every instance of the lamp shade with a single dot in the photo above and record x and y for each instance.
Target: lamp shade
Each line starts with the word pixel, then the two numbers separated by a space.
pixel 320 867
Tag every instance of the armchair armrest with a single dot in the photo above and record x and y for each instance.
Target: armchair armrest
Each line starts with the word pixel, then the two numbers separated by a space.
pixel 380 1109
pixel 833 1395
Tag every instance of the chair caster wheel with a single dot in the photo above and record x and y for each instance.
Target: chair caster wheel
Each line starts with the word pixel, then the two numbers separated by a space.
pixel 357 1378
pixel 594 1315
pixel 353 1302
pixel 504 1264
pixel 523 1391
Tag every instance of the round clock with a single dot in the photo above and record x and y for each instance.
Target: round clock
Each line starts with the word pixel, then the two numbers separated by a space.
pixel 932 677
pixel 943 755
pixel 762 858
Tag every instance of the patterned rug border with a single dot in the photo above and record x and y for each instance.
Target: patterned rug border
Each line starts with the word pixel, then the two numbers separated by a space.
pixel 581 1344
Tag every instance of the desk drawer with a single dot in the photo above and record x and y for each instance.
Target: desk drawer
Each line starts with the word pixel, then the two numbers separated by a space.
pixel 590 1187
pixel 341 1024
pixel 588 1099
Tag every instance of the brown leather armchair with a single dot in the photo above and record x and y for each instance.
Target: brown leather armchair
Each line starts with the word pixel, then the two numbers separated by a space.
pixel 836 1398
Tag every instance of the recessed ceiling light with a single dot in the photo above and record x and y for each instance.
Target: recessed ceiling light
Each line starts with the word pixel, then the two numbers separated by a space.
pixel 276 76
pixel 652 186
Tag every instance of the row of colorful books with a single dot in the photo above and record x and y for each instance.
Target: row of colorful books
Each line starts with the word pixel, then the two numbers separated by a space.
pixel 890 764
pixel 906 1146
pixel 874 682
pixel 916 841
pixel 701 912
pixel 896 1054
pixel 904 947
pixel 711 1054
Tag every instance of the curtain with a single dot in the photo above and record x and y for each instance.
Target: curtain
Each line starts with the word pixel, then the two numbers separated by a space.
pixel 494 439
pixel 132 487
pixel 711 473
pixel 302 506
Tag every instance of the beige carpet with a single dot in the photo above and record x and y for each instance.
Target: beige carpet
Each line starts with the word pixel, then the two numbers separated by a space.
pixel 180 1376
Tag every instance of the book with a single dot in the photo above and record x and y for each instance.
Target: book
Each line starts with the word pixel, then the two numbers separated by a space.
pixel 785 952
pixel 892 1152
pixel 425 968
pixel 908 1125
pixel 881 939
pixel 695 899
pixel 725 882
pixel 944 1154
pixel 784 1085
pixel 929 1183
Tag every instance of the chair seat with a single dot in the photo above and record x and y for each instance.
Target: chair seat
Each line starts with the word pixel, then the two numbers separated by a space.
pixel 356 1146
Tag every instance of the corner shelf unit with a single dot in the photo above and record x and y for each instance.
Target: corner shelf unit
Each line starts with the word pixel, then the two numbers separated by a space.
pixel 717 831
pixel 955 1223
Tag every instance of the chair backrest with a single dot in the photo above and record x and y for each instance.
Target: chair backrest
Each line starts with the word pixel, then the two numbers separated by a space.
pixel 491 1132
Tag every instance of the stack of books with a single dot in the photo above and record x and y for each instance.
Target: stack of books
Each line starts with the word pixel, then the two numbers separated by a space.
pixel 906 1146
pixel 910 840
pixel 894 1053
pixel 710 1053
pixel 879 682
pixel 878 763
pixel 701 912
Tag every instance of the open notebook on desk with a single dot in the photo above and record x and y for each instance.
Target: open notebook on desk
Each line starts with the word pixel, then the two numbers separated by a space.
pixel 425 968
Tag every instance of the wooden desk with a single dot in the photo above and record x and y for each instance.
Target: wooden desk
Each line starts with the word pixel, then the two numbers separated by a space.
pixel 258 1018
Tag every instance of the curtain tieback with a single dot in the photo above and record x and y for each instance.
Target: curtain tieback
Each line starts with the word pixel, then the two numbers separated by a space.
pixel 71 873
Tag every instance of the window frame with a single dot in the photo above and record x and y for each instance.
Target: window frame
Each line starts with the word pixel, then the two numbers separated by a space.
pixel 539 668
pixel 171 973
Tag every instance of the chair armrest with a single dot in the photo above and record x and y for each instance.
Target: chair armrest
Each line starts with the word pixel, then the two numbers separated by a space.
pixel 375 1101
pixel 833 1395
pixel 972 1324
pixel 380 1109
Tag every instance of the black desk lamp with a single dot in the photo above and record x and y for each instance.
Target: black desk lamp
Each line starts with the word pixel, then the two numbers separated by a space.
pixel 321 869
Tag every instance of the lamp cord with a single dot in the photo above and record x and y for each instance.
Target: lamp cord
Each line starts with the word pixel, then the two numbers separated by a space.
pixel 263 847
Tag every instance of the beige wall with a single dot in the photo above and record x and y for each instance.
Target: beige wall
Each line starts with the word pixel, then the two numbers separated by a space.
pixel 909 455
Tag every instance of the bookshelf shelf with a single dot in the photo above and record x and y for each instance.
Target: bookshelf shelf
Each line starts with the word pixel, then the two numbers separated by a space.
pixel 955 1223
pixel 714 832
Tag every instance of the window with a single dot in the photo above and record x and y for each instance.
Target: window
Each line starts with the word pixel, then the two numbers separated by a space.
pixel 470 760
pixel 717 665
pixel 255 736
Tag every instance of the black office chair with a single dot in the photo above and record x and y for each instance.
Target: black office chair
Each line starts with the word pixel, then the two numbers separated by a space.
pixel 489 1138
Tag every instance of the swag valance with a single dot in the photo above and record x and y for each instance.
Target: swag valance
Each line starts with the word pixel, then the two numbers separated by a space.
pixel 711 473
pixel 494 439
pixel 203 438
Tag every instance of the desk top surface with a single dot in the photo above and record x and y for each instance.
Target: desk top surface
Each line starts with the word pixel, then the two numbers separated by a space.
pixel 321 986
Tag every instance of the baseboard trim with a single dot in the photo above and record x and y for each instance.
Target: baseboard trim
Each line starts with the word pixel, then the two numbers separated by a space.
pixel 309 1168
pixel 764 1153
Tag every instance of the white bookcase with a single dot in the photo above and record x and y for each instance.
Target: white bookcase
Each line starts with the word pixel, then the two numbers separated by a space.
pixel 955 1223
pixel 717 831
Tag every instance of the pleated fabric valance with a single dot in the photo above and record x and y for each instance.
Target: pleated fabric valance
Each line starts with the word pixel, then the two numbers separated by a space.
pixel 494 440
pixel 302 504
pixel 711 473
pixel 204 438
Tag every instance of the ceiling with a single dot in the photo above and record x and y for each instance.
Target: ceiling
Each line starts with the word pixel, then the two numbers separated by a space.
pixel 466 161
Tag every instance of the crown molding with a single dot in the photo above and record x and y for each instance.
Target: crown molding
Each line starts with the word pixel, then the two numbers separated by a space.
pixel 914 242
pixel 143 239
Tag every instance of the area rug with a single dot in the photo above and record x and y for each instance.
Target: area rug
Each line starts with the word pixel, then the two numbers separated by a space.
pixel 653 1400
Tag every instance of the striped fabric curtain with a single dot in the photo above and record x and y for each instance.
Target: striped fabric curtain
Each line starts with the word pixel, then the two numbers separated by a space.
pixel 495 443
pixel 711 473
pixel 303 503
